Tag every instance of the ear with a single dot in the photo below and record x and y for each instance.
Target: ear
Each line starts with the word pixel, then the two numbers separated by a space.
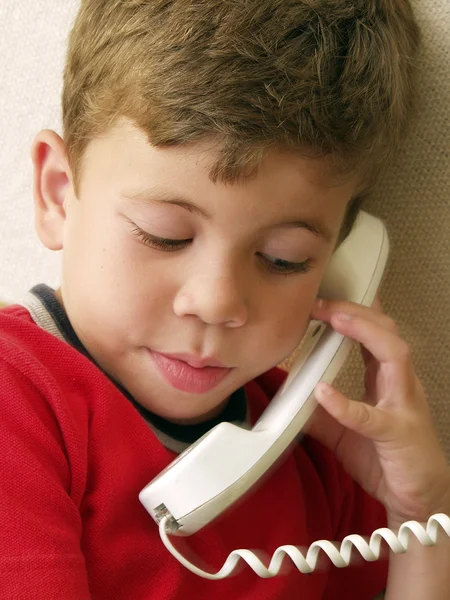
pixel 52 182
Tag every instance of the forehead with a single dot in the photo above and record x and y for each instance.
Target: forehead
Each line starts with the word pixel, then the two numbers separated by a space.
pixel 124 156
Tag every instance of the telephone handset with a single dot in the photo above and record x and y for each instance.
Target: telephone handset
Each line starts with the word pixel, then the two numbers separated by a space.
pixel 220 467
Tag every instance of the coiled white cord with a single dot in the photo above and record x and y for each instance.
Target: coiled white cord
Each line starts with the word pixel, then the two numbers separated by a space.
pixel 370 551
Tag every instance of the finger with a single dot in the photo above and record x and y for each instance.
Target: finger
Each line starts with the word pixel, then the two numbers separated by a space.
pixel 324 428
pixel 384 345
pixel 387 348
pixel 323 310
pixel 366 356
pixel 359 417
pixel 376 304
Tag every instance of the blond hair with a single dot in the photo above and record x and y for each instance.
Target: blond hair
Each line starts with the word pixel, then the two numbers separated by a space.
pixel 322 78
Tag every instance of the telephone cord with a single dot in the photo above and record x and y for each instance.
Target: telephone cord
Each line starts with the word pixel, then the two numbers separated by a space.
pixel 341 557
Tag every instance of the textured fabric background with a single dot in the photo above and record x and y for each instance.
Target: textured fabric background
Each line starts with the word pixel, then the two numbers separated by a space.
pixel 413 198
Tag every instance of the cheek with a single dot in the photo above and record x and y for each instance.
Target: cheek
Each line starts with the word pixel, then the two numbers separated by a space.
pixel 286 319
pixel 99 265
pixel 141 286
pixel 290 328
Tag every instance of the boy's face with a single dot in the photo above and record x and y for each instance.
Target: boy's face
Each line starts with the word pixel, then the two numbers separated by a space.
pixel 229 295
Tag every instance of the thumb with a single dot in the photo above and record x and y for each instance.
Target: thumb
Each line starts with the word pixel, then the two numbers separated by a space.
pixel 324 428
pixel 363 419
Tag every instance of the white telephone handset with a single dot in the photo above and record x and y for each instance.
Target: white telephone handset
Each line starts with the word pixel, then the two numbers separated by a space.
pixel 222 465
pixel 218 469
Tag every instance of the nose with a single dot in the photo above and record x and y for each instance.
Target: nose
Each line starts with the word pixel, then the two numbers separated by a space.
pixel 214 293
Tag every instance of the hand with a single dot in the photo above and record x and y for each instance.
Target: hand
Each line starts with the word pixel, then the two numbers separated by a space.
pixel 387 441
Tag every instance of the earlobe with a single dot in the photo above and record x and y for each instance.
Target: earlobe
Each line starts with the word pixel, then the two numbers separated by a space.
pixel 51 184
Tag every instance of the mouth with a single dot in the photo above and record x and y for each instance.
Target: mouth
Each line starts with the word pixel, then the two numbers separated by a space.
pixel 196 361
pixel 188 373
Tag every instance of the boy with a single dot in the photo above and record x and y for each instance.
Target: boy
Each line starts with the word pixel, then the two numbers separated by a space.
pixel 214 154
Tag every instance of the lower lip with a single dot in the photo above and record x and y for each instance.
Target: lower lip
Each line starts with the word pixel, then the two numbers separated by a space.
pixel 183 377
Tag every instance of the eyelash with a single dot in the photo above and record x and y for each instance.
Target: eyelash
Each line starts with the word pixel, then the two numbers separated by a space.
pixel 284 267
pixel 163 244
pixel 279 266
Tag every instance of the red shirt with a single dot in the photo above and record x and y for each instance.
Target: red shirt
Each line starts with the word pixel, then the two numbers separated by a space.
pixel 75 453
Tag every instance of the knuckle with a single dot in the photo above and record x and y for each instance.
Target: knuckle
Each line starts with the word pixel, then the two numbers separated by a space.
pixel 403 352
pixel 413 425
pixel 391 324
pixel 363 414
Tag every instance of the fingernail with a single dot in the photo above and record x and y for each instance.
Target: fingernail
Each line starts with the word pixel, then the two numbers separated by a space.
pixel 325 389
pixel 344 317
pixel 320 303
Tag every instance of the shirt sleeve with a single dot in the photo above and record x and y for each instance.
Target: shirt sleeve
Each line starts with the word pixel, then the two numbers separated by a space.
pixel 40 494
pixel 352 511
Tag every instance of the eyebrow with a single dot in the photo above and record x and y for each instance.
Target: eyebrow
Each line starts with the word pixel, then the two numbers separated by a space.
pixel 162 197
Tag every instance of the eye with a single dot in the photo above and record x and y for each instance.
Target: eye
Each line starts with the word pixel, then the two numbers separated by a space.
pixel 285 267
pixel 164 244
